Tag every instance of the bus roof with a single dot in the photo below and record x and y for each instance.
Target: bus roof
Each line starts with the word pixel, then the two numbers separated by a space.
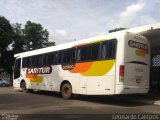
pixel 69 45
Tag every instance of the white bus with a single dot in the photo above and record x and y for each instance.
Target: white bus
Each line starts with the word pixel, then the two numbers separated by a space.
pixel 116 63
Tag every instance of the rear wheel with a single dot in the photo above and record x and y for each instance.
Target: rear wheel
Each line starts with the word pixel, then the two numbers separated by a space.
pixel 66 91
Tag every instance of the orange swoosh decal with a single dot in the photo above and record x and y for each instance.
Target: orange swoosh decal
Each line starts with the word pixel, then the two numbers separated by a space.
pixel 81 67
pixel 31 75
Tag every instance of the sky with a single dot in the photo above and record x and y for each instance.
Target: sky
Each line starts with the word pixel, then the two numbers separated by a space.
pixel 70 20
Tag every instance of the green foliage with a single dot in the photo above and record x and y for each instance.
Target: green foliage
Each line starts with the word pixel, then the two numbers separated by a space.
pixel 49 43
pixel 36 35
pixel 33 36
pixel 6 33
pixel 19 39
pixel 6 38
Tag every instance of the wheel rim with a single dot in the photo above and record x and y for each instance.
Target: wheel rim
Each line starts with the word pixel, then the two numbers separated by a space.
pixel 66 91
pixel 3 85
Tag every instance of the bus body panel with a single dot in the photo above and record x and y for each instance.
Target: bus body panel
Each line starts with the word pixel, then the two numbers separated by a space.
pixel 94 78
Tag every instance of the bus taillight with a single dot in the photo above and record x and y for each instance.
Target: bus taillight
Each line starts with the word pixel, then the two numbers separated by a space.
pixel 121 71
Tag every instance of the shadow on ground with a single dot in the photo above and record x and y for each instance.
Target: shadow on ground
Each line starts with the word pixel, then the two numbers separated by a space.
pixel 120 100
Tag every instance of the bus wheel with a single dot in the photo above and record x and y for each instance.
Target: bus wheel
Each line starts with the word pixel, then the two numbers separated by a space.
pixel 23 87
pixel 66 91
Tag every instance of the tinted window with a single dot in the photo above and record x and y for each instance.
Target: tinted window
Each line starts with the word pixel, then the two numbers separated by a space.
pixel 82 53
pixel 108 49
pixel 66 56
pixel 51 58
pixel 69 56
pixel 88 52
pixel 34 61
pixel 26 62
pixel 95 51
pixel 41 59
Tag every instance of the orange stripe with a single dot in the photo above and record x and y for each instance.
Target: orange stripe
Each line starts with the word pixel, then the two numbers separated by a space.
pixel 31 75
pixel 143 51
pixel 81 67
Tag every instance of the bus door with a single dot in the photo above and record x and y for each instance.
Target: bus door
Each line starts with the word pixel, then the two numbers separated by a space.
pixel 17 72
pixel 83 85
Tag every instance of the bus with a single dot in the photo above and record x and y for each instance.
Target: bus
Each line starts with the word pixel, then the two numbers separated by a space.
pixel 115 63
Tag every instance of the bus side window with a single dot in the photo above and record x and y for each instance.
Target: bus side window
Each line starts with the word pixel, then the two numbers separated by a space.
pixel 64 57
pixel 78 55
pixel 24 62
pixel 40 60
pixel 55 59
pixel 51 58
pixel 69 56
pixel 30 62
pixel 104 51
pixel 82 54
pixel 108 49
pixel 48 60
pixel 88 52
pixel 114 48
pixel 36 61
pixel 95 51
pixel 60 57
pixel 72 55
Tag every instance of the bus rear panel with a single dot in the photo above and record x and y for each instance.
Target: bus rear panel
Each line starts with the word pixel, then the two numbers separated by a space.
pixel 135 67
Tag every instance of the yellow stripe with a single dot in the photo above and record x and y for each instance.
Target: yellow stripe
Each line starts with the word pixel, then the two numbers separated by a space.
pixel 97 41
pixel 99 68
pixel 38 79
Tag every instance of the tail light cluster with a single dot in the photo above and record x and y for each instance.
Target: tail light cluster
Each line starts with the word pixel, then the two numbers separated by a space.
pixel 121 73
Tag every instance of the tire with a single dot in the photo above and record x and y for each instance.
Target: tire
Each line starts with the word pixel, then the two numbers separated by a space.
pixel 4 85
pixel 66 91
pixel 23 87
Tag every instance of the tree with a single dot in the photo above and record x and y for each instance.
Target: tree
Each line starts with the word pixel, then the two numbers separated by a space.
pixel 6 33
pixel 33 36
pixel 6 38
pixel 36 35
pixel 19 42
pixel 49 43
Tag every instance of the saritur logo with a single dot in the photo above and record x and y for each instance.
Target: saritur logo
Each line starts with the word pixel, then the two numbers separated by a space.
pixel 39 70
pixel 138 45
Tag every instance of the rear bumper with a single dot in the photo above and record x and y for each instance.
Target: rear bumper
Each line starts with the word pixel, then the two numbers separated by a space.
pixel 122 89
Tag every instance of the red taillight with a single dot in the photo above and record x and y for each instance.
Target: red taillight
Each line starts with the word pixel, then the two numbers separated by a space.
pixel 121 70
